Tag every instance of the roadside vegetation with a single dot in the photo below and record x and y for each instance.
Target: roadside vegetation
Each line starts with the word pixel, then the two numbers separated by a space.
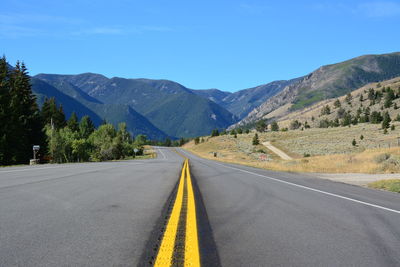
pixel 390 185
pixel 362 148
pixel 24 124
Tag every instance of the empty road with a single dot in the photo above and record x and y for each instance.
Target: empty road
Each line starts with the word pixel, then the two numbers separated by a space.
pixel 91 214
pixel 107 214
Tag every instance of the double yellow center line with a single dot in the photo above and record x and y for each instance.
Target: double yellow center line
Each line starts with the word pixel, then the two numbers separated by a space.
pixel 180 245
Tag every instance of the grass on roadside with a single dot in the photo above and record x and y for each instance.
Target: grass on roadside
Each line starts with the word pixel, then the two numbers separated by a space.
pixel 240 150
pixel 390 185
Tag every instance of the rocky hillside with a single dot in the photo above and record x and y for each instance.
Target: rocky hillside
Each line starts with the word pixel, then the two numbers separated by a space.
pixel 328 82
pixel 242 102
pixel 355 107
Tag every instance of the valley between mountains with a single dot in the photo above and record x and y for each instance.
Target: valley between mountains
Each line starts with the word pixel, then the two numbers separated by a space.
pixel 165 109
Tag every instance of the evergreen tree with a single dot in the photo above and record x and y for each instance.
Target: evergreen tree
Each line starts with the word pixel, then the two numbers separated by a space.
pixel 326 110
pixel 182 141
pixel 72 123
pixel 274 126
pixel 5 113
pixel 354 142
pixel 375 117
pixel 261 126
pixel 214 132
pixel 86 127
pixel 167 142
pixel 347 119
pixel 25 124
pixel 371 94
pixel 337 103
pixel 51 114
pixel 294 125
pixel 389 97
pixel 255 140
pixel 386 120
pixel 197 140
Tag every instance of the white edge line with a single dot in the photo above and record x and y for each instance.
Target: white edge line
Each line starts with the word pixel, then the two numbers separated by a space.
pixel 32 169
pixel 55 167
pixel 309 188
pixel 162 153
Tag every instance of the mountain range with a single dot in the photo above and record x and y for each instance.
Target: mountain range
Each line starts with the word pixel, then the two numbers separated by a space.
pixel 163 108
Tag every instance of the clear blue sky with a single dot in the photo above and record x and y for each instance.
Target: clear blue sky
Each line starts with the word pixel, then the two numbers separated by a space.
pixel 229 45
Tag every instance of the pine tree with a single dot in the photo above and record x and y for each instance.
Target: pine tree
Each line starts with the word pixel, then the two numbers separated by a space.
pixel 326 110
pixel 337 103
pixel 354 142
pixel 167 142
pixel 51 114
pixel 26 127
pixel 347 119
pixel 5 114
pixel 294 125
pixel 197 140
pixel 72 123
pixel 182 141
pixel 371 94
pixel 386 120
pixel 214 132
pixel 86 127
pixel 261 126
pixel 255 140
pixel 375 117
pixel 274 126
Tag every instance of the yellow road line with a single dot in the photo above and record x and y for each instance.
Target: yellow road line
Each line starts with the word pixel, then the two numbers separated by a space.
pixel 191 252
pixel 192 255
pixel 164 256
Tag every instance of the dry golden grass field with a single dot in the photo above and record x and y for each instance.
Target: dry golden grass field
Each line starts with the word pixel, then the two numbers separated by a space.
pixel 330 150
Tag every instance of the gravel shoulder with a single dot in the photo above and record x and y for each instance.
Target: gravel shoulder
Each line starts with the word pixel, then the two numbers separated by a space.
pixel 360 179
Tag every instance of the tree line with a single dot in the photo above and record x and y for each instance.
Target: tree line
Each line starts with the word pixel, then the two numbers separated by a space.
pixel 24 124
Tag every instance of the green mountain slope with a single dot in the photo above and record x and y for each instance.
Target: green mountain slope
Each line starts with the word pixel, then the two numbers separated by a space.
pixel 74 99
pixel 44 90
pixel 201 116
pixel 169 106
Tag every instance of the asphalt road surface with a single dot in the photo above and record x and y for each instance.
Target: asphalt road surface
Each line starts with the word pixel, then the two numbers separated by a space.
pixel 103 214
pixel 92 214
pixel 265 218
